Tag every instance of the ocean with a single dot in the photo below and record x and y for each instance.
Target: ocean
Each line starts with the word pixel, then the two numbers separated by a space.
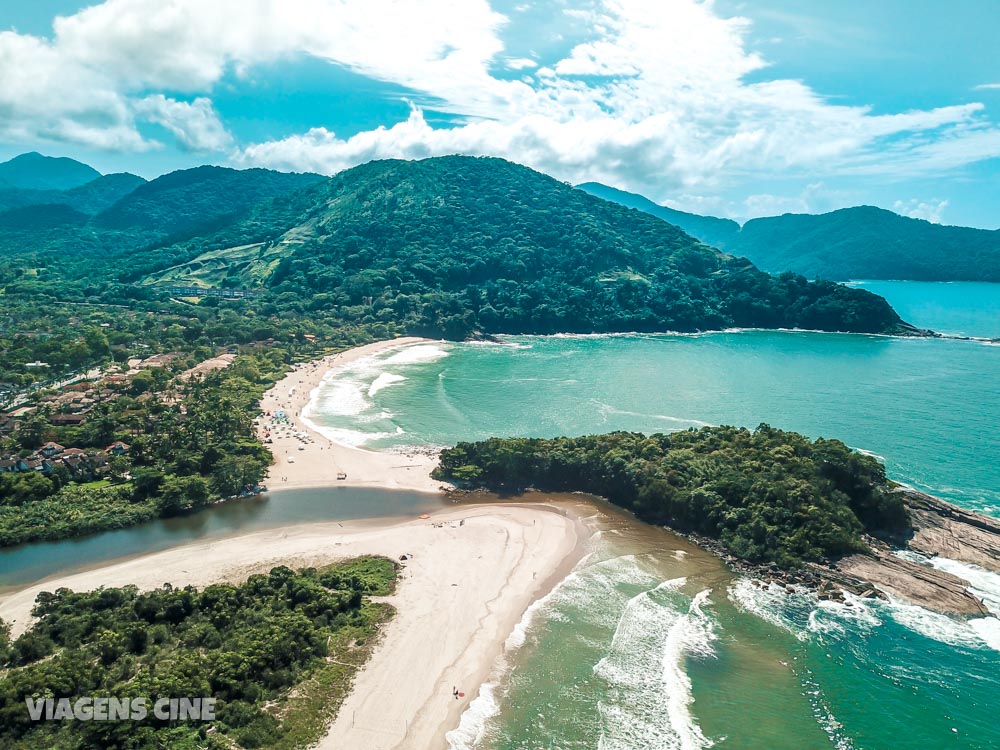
pixel 648 644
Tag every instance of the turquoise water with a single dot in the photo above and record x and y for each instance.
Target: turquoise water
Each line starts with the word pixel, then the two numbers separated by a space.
pixel 643 648
pixel 929 407
pixel 965 309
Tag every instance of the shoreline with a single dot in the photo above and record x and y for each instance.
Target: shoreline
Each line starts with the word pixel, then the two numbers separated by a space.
pixel 323 461
pixel 512 555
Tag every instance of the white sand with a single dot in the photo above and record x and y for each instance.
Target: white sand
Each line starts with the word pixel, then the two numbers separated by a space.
pixel 323 460
pixel 460 595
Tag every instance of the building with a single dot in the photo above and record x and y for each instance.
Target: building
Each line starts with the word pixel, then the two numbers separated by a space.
pixel 118 448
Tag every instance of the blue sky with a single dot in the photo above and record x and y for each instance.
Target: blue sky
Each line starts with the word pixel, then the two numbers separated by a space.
pixel 731 107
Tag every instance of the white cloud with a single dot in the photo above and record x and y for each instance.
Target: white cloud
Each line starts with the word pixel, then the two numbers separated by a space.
pixel 521 63
pixel 103 64
pixel 655 99
pixel 196 124
pixel 929 210
pixel 657 102
pixel 987 86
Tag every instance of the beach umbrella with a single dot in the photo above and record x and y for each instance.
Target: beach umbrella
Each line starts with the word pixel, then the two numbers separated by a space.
pixel 424 515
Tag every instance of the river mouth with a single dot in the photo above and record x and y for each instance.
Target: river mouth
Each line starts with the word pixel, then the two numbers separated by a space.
pixel 637 646
pixel 27 564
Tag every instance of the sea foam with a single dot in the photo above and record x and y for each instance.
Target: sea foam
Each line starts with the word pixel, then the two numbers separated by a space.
pixel 342 404
pixel 574 598
pixel 384 380
pixel 649 695
pixel 413 354
pixel 976 632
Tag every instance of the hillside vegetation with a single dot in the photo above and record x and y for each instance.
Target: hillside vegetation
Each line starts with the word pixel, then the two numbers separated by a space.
pixel 709 229
pixel 90 198
pixel 767 495
pixel 853 243
pixel 200 198
pixel 86 242
pixel 871 243
pixel 277 652
pixel 454 245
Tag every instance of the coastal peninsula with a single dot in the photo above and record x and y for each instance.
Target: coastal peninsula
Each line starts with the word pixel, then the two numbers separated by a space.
pixel 773 504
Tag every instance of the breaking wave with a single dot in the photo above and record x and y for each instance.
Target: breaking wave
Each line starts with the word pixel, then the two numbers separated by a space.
pixel 650 693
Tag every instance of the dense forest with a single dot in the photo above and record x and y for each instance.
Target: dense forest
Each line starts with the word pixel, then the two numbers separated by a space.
pixel 84 240
pixel 853 243
pixel 447 246
pixel 454 245
pixel 278 652
pixel 766 495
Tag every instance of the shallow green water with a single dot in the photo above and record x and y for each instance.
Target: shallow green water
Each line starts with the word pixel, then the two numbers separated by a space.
pixel 29 563
pixel 637 649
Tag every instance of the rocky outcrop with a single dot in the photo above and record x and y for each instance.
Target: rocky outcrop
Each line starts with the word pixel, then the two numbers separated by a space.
pixel 913 582
pixel 940 528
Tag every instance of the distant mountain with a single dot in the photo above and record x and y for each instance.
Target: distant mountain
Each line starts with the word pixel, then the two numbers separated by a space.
pixel 710 230
pixel 100 194
pixel 452 245
pixel 102 229
pixel 200 199
pixel 90 198
pixel 33 171
pixel 852 243
pixel 870 243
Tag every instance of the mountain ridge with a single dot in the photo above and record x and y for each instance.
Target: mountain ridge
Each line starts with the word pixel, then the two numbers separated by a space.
pixel 482 244
pixel 860 242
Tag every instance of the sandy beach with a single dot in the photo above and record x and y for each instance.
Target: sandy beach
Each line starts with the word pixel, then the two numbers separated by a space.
pixel 472 572
pixel 318 461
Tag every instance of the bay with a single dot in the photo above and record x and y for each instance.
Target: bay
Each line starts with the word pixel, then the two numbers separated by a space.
pixel 636 651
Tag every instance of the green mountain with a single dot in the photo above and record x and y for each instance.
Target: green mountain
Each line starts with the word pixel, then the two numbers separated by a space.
pixel 33 171
pixel 102 193
pixel 40 217
pixel 90 198
pixel 871 243
pixel 114 225
pixel 199 199
pixel 453 245
pixel 852 243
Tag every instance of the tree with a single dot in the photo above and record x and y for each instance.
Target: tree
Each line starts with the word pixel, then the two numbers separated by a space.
pixel 234 474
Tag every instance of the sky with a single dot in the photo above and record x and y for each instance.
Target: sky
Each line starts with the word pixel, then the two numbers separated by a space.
pixel 737 108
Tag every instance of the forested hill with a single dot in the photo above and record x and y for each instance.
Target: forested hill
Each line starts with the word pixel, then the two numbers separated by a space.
pixel 109 228
pixel 201 197
pixel 853 243
pixel 453 245
pixel 767 495
pixel 871 243
pixel 33 171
